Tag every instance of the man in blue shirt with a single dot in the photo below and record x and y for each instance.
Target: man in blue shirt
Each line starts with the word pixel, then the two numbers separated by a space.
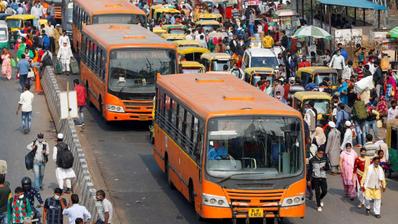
pixel 217 151
pixel 23 68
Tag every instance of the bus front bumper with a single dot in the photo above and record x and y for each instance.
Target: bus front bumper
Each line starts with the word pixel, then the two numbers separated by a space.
pixel 114 116
pixel 252 212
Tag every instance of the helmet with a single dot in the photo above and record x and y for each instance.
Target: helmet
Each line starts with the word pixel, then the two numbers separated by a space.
pixel 26 183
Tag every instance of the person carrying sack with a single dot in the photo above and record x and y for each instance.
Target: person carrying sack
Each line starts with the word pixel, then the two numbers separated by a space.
pixel 63 158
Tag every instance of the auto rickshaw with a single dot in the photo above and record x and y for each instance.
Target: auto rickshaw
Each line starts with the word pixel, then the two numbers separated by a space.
pixel 322 102
pixel 158 11
pixel 172 37
pixel 216 62
pixel 192 53
pixel 208 25
pixel 255 74
pixel 159 30
pixel 18 22
pixel 4 37
pixel 191 67
pixel 175 29
pixel 183 44
pixel 209 16
pixel 392 142
pixel 317 74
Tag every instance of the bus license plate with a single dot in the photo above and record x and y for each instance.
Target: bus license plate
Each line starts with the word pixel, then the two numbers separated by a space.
pixel 256 213
pixel 143 117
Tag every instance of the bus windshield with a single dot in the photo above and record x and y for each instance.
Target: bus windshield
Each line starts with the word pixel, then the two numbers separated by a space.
pixel 254 147
pixel 134 70
pixel 119 19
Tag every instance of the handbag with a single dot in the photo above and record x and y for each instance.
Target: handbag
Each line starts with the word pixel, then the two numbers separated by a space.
pixel 29 158
pixel 31 74
pixel 13 63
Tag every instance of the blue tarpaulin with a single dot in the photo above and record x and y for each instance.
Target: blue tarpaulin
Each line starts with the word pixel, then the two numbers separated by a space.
pixel 363 4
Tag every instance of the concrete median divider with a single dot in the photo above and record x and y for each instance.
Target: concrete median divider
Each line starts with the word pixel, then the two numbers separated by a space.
pixel 83 184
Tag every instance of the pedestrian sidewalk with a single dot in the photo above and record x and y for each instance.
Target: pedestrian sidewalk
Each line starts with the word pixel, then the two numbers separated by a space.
pixel 13 141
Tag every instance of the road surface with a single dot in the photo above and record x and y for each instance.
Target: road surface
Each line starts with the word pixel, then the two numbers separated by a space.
pixel 140 192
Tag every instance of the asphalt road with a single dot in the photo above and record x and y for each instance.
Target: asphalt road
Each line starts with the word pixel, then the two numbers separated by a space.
pixel 13 142
pixel 139 190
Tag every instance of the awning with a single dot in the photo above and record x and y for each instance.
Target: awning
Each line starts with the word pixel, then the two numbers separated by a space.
pixel 363 4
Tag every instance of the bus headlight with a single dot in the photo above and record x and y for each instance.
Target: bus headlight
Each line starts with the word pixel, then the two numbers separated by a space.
pixel 214 200
pixel 293 201
pixel 114 108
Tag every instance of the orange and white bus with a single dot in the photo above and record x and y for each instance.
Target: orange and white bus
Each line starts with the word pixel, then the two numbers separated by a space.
pixel 232 151
pixel 86 12
pixel 119 64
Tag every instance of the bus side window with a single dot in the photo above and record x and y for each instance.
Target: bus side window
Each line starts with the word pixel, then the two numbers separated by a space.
pixel 181 124
pixel 188 130
pixel 88 43
pixel 197 141
pixel 103 61
pixel 93 56
pixel 174 117
pixel 84 47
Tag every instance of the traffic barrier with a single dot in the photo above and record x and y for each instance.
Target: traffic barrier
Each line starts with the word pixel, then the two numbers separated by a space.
pixel 83 184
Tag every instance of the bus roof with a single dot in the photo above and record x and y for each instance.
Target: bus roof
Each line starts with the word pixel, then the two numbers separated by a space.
pixel 221 94
pixel 103 7
pixel 109 35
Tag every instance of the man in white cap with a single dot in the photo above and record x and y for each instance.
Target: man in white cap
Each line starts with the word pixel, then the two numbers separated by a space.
pixel 63 158
pixel 347 135
pixel 333 147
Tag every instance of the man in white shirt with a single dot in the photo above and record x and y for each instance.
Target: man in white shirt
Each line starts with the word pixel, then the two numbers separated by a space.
pixel 337 62
pixel 76 211
pixel 25 106
pixel 37 10
pixel 106 213
pixel 393 111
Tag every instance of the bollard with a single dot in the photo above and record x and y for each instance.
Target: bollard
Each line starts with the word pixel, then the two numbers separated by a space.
pixel 38 88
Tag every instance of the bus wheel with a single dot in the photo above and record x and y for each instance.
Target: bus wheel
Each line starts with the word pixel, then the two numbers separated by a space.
pixel 191 194
pixel 167 171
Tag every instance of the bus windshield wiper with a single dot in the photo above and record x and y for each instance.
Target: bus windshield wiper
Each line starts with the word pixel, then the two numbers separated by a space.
pixel 236 174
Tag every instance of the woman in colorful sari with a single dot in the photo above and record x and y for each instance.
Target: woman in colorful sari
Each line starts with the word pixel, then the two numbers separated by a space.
pixel 347 161
pixel 6 68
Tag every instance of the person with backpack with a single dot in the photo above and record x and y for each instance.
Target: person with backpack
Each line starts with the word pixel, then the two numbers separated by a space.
pixel 41 152
pixel 63 158
pixel 359 116
pixel 19 208
pixel 341 117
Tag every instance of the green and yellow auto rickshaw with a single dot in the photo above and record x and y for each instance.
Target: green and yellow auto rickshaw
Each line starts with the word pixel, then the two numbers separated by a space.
pixel 392 142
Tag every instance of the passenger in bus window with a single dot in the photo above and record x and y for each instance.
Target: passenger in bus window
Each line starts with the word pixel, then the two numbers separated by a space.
pixel 217 151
